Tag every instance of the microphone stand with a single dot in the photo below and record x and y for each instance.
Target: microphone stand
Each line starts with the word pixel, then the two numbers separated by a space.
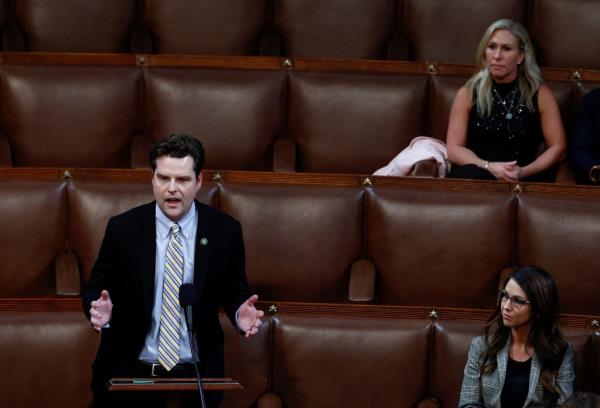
pixel 195 357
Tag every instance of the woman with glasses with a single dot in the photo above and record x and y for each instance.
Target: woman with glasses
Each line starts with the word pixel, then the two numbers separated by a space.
pixel 521 359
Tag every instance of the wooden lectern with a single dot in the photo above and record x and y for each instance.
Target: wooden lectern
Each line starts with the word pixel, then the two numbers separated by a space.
pixel 173 386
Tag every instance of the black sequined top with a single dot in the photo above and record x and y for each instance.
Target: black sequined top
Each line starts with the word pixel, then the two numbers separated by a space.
pixel 511 132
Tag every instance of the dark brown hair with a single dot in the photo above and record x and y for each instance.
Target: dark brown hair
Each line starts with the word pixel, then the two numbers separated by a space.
pixel 583 400
pixel 178 145
pixel 544 335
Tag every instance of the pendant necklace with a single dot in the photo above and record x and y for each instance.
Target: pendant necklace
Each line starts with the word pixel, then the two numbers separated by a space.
pixel 509 114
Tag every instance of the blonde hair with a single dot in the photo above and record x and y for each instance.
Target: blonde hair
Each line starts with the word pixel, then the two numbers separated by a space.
pixel 529 77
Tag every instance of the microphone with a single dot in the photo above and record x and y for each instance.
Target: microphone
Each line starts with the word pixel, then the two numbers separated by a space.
pixel 188 298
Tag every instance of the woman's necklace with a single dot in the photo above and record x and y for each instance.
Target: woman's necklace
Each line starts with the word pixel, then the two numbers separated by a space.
pixel 509 114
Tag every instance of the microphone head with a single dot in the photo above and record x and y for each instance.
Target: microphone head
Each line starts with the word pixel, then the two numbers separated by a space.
pixel 187 295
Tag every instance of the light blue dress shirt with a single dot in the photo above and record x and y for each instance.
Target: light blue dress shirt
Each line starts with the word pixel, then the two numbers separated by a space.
pixel 188 225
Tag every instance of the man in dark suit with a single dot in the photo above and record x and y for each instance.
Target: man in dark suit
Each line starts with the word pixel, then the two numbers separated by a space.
pixel 584 149
pixel 146 254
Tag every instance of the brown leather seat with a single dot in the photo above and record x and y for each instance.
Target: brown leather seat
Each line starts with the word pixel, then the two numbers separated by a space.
pixel 450 31
pixel 335 28
pixel 238 114
pixel 452 339
pixel 4 14
pixel 215 27
pixel 441 93
pixel 32 233
pixel 350 361
pixel 566 33
pixel 560 235
pixel 80 116
pixel 248 362
pixel 72 26
pixel 307 119
pixel 47 357
pixel 434 242
pixel 300 240
pixel 306 355
pixel 354 123
pixel 438 247
pixel 563 92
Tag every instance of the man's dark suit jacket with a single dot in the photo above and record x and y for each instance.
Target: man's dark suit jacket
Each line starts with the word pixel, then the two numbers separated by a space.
pixel 126 268
pixel 584 147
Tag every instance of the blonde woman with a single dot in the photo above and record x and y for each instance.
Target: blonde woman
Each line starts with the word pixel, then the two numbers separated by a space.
pixel 505 123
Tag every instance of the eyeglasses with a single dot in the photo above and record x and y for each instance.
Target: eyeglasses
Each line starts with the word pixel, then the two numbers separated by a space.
pixel 516 301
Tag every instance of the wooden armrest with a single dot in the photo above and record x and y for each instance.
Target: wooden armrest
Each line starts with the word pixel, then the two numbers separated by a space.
pixel 68 280
pixel 362 281
pixel 269 400
pixel 284 155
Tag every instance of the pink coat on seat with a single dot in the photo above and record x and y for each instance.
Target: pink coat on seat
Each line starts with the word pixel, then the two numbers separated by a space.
pixel 420 148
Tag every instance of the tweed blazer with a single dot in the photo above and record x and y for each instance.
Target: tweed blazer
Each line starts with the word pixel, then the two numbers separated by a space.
pixel 486 392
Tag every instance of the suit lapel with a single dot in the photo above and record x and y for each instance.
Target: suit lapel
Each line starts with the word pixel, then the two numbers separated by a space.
pixel 146 253
pixel 202 252
pixel 534 377
pixel 502 360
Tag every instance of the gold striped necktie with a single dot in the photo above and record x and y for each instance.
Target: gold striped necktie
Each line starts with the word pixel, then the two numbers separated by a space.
pixel 170 314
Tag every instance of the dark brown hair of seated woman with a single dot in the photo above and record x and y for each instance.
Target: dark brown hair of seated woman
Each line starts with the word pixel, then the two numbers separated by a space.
pixel 583 400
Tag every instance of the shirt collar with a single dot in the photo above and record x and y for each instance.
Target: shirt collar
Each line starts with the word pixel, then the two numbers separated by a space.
pixel 163 223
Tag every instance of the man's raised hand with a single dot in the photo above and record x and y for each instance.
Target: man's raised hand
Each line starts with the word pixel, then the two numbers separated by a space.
pixel 101 311
pixel 249 317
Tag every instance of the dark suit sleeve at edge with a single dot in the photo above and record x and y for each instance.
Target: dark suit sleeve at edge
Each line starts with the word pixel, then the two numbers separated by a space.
pixel 583 149
pixel 236 289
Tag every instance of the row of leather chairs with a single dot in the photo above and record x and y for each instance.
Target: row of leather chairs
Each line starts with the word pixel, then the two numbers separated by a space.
pixel 251 113
pixel 401 241
pixel 420 30
pixel 306 355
